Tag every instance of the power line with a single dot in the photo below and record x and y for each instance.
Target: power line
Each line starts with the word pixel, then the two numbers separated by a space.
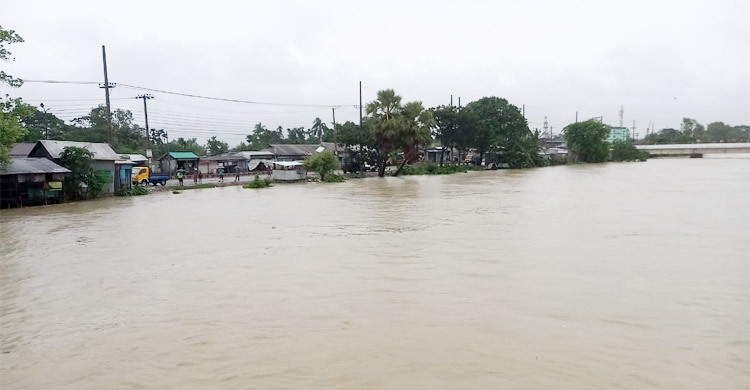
pixel 227 99
pixel 194 95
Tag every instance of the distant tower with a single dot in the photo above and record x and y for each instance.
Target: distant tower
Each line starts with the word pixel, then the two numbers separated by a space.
pixel 545 133
pixel 622 111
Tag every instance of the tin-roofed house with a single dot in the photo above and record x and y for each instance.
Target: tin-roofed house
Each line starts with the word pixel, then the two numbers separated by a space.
pixel 231 162
pixel 21 149
pixel 27 181
pixel 103 155
pixel 172 161
pixel 297 152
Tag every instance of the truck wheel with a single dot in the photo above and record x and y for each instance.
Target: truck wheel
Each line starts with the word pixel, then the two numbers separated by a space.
pixel 163 183
pixel 144 182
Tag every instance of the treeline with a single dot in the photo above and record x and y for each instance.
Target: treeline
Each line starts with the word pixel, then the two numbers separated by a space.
pixel 691 132
pixel 391 131
pixel 129 137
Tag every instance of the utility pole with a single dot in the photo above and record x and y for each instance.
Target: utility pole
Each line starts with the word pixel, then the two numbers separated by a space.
pixel 335 147
pixel 451 100
pixel 46 121
pixel 459 102
pixel 107 86
pixel 145 113
pixel 634 136
pixel 360 104
pixel 576 116
pixel 523 111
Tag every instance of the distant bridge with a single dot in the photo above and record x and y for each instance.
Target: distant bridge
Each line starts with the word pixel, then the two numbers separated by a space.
pixel 694 150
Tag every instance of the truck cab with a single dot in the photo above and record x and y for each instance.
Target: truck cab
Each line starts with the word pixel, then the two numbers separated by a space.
pixel 140 175
pixel 144 176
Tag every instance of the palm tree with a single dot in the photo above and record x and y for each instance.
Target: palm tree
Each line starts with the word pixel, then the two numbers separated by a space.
pixel 317 129
pixel 414 129
pixel 385 125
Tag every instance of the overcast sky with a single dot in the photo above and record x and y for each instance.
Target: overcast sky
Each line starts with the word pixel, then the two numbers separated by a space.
pixel 661 60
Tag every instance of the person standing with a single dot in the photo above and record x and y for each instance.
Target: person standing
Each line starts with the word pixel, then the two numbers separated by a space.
pixel 236 176
pixel 221 175
pixel 180 177
pixel 195 178
pixel 200 177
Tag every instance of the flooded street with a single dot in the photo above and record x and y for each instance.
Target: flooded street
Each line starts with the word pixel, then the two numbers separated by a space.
pixel 633 275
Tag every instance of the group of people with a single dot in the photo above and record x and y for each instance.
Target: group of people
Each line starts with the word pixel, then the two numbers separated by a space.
pixel 198 177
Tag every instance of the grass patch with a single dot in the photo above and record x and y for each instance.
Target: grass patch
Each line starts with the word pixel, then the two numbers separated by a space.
pixel 176 192
pixel 133 191
pixel 195 187
pixel 258 183
pixel 432 169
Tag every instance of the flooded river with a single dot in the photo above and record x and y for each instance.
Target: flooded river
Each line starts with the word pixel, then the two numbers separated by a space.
pixel 630 276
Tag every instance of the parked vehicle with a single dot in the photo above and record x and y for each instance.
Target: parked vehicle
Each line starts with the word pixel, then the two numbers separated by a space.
pixel 144 176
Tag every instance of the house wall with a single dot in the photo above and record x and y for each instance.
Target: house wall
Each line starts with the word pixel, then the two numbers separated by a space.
pixel 106 168
pixel 291 175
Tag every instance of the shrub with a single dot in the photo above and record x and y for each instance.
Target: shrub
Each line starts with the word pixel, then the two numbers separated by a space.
pixel 258 183
pixel 133 191
pixel 333 178
pixel 433 169
pixel 323 163
pixel 626 151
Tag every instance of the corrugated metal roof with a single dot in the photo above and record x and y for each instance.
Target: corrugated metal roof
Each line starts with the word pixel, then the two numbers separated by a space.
pixel 225 157
pixel 31 165
pixel 137 158
pixel 21 149
pixel 101 151
pixel 187 155
pixel 298 149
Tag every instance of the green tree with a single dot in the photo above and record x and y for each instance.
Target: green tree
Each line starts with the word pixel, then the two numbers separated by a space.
pixel 214 146
pixel 7 38
pixel 397 127
pixel 296 135
pixel 626 151
pixel 502 129
pixel 261 137
pixel 241 147
pixel 187 145
pixel 323 163
pixel 42 125
pixel 81 164
pixel 587 141
pixel 445 126
pixel 413 131
pixel 319 132
pixel 11 128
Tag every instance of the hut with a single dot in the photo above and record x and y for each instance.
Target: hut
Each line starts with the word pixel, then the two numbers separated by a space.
pixel 288 171
pixel 103 155
pixel 172 161
pixel 27 181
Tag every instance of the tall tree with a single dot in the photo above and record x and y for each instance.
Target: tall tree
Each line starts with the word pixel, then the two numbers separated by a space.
pixel 261 137
pixel 587 141
pixel 445 126
pixel 503 130
pixel 413 131
pixel 10 124
pixel 384 112
pixel 214 146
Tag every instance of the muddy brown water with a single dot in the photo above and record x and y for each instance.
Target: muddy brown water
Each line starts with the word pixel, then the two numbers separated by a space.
pixel 631 276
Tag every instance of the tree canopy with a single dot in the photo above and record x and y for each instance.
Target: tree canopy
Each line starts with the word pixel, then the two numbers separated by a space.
pixel 587 141
pixel 502 129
